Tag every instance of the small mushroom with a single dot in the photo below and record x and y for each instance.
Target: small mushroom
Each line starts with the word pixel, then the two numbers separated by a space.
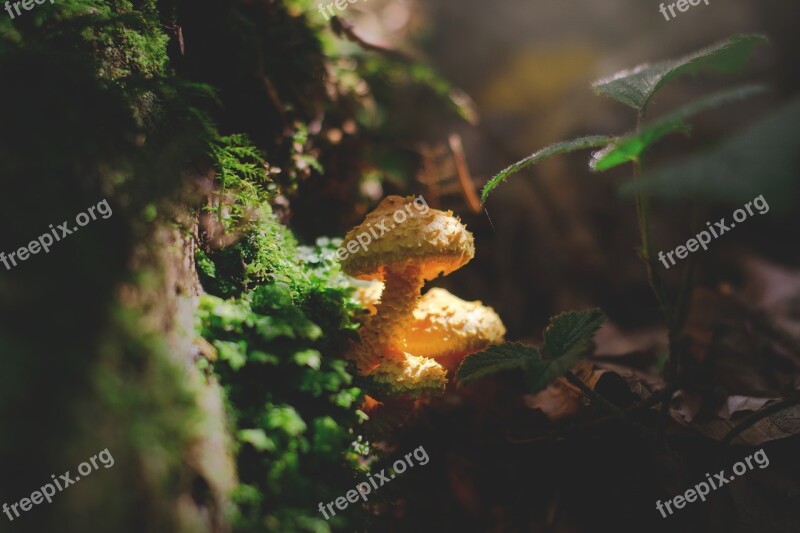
pixel 412 248
pixel 448 328
pixel 444 327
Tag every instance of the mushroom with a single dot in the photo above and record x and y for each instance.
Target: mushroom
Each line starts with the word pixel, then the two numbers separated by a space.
pixel 412 248
pixel 448 328
pixel 444 327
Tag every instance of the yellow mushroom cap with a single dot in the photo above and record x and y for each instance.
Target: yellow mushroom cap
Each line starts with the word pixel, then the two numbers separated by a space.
pixel 446 326
pixel 401 233
pixel 411 375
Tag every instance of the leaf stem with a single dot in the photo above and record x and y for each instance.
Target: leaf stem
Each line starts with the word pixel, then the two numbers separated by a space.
pixel 647 254
pixel 684 295
pixel 674 317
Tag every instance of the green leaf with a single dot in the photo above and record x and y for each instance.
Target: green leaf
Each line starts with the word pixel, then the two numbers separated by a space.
pixel 761 160
pixel 310 358
pixel 327 435
pixel 542 372
pixel 570 328
pixel 563 147
pixel 271 327
pixel 494 359
pixel 258 439
pixel 232 352
pixel 285 418
pixel 227 314
pixel 631 147
pixel 345 397
pixel 636 87
pixel 258 356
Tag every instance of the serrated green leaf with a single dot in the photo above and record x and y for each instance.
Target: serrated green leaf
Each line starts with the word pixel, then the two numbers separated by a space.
pixel 568 329
pixel 636 87
pixel 563 147
pixel 540 373
pixel 494 359
pixel 631 146
pixel 761 160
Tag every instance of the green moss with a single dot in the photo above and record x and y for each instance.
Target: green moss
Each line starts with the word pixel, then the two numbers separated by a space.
pixel 279 344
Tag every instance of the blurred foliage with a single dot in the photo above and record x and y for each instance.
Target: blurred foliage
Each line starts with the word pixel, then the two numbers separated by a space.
pixel 408 71
pixel 94 113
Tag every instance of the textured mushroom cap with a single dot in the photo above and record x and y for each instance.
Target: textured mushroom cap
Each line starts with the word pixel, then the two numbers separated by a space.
pixel 447 326
pixel 435 242
pixel 411 376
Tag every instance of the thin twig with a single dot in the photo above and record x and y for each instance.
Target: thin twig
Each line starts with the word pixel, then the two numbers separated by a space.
pixel 462 170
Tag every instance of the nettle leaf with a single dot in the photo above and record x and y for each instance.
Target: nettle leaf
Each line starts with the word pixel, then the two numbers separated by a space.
pixel 544 371
pixel 563 147
pixel 570 328
pixel 636 87
pixel 566 340
pixel 494 359
pixel 631 146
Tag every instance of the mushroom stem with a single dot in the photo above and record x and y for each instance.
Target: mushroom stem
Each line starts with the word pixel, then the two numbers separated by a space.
pixel 383 335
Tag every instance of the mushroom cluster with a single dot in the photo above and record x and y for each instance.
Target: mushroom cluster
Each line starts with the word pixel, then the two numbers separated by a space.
pixel 401 341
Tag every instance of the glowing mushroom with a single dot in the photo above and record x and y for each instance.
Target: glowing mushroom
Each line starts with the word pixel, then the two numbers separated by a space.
pixel 415 245
pixel 444 327
pixel 448 328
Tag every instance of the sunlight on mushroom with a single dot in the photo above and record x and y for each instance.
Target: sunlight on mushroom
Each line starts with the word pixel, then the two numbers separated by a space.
pixel 415 248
